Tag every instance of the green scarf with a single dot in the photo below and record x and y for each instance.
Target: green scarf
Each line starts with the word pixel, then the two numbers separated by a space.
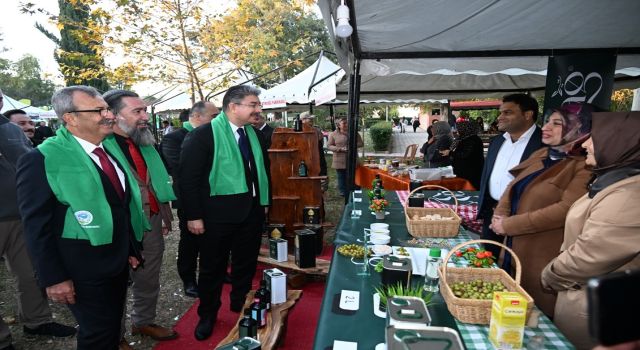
pixel 158 173
pixel 187 126
pixel 89 214
pixel 228 167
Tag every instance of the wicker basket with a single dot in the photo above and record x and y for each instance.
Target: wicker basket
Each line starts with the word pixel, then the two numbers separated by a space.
pixel 475 310
pixel 432 228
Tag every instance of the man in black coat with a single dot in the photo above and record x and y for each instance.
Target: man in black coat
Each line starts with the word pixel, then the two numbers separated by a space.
pixel 88 272
pixel 261 125
pixel 227 218
pixel 201 113
pixel 521 137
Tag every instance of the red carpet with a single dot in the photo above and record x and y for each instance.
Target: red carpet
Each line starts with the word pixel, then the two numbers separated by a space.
pixel 302 319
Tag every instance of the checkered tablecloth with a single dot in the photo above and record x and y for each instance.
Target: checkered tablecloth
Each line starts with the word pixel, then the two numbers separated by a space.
pixel 467 212
pixel 476 337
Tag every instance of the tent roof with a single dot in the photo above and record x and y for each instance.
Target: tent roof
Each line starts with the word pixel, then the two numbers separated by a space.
pixel 479 48
pixel 10 103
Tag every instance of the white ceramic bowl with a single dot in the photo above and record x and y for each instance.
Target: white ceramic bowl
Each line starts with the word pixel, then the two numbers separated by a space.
pixel 377 238
pixel 381 232
pixel 379 226
pixel 381 249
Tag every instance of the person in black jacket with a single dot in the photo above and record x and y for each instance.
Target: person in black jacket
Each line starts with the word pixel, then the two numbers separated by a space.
pixel 260 124
pixel 434 152
pixel 188 250
pixel 467 153
pixel 226 212
pixel 521 137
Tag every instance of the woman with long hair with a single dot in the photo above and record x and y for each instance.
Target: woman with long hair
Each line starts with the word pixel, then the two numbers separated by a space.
pixel 532 210
pixel 338 144
pixel 602 230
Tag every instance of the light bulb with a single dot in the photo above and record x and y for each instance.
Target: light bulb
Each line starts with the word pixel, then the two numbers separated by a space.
pixel 343 29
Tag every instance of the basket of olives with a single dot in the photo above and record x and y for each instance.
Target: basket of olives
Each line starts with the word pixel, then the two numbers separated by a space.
pixel 432 222
pixel 468 291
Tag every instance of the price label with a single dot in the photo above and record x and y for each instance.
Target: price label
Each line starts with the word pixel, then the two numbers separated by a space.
pixel 344 345
pixel 350 300
pixel 356 200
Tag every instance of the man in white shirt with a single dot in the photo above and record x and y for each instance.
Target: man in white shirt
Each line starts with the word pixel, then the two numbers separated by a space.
pixel 518 114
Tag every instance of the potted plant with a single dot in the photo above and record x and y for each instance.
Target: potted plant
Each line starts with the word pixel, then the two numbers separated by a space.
pixel 378 206
pixel 389 291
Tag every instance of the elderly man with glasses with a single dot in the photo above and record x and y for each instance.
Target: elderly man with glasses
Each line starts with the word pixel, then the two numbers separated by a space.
pixel 82 214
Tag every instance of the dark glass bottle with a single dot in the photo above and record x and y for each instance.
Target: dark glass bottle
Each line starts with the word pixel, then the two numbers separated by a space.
pixel 248 327
pixel 297 124
pixel 377 181
pixel 259 312
pixel 302 169
pixel 264 294
pixel 377 191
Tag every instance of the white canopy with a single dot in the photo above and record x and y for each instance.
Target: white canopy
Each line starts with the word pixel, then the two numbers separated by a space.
pixel 296 89
pixel 34 112
pixel 478 48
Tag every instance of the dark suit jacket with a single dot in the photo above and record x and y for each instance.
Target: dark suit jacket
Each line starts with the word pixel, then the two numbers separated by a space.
pixel 58 259
pixel 535 142
pixel 196 161
pixel 267 131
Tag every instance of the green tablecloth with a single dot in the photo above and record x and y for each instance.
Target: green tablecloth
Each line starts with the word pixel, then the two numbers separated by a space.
pixel 367 329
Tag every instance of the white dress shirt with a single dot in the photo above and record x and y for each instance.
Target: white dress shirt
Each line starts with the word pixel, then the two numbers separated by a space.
pixel 88 147
pixel 508 157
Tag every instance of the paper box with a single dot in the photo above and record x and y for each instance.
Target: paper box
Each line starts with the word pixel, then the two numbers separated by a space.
pixel 278 249
pixel 508 316
pixel 276 284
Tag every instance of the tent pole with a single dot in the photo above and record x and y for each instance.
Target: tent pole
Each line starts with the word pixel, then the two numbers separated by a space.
pixel 352 151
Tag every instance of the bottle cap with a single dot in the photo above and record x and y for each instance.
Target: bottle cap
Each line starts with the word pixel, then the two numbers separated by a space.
pixel 434 252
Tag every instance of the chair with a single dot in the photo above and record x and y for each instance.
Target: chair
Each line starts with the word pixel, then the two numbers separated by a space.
pixel 410 154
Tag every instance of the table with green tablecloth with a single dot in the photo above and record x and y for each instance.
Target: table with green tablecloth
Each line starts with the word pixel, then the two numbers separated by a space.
pixel 362 326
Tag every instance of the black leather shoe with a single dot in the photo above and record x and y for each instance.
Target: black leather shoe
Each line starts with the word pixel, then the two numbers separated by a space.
pixel 191 289
pixel 51 329
pixel 204 328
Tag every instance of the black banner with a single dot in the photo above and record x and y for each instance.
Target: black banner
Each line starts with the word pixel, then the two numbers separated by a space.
pixel 580 78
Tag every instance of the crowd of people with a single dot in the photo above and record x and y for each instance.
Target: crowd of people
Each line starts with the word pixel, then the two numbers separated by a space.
pixel 86 211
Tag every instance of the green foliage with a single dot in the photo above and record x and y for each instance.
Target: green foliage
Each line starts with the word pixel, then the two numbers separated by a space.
pixel 381 135
pixel 621 100
pixel 23 79
pixel 386 292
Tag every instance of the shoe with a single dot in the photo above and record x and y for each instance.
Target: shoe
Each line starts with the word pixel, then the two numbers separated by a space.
pixel 124 345
pixel 204 328
pixel 10 347
pixel 52 329
pixel 191 289
pixel 154 331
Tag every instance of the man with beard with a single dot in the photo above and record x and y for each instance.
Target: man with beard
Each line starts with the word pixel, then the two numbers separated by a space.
pixel 521 137
pixel 82 216
pixel 21 119
pixel 133 136
pixel 226 212
pixel 201 113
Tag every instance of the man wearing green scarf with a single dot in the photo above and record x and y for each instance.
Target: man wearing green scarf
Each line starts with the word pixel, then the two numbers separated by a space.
pixel 82 216
pixel 225 192
pixel 134 138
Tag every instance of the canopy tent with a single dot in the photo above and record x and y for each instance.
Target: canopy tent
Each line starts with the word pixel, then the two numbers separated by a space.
pixel 34 112
pixel 316 83
pixel 482 48
pixel 472 48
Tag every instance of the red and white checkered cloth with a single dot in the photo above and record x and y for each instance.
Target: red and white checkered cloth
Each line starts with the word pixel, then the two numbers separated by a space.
pixel 467 212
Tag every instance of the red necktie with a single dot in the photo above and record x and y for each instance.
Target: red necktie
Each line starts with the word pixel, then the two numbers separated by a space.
pixel 109 170
pixel 141 169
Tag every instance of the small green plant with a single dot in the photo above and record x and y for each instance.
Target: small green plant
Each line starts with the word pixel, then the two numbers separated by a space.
pixel 390 291
pixel 379 266
pixel 371 194
pixel 381 135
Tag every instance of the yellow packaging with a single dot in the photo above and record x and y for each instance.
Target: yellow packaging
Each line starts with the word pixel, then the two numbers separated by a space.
pixel 508 316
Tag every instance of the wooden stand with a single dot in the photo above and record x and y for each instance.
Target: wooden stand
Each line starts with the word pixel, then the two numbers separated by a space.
pixel 276 327
pixel 322 265
pixel 291 193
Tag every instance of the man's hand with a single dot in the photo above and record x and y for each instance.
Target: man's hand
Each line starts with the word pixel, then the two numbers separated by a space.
pixel 62 293
pixel 496 224
pixel 196 226
pixel 134 262
pixel 165 230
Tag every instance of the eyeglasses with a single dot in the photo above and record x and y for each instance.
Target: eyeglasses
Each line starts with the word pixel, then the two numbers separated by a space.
pixel 252 105
pixel 102 111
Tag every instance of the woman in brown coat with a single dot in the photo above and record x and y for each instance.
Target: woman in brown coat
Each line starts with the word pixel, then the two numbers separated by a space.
pixel 602 231
pixel 338 144
pixel 532 210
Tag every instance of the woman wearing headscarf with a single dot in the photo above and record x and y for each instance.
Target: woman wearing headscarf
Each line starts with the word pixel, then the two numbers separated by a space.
pixel 433 158
pixel 533 208
pixel 467 153
pixel 602 230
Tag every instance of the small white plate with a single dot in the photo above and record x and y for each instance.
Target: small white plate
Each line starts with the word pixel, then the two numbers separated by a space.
pixel 385 213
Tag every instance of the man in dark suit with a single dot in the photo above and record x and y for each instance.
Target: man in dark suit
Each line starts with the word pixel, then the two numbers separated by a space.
pixel 226 212
pixel 188 250
pixel 260 124
pixel 521 137
pixel 82 216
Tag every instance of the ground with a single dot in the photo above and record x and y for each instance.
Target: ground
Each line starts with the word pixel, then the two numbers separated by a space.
pixel 172 304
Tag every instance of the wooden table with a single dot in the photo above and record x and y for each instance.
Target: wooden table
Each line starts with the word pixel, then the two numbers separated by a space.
pixel 269 335
pixel 365 175
pixel 321 268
